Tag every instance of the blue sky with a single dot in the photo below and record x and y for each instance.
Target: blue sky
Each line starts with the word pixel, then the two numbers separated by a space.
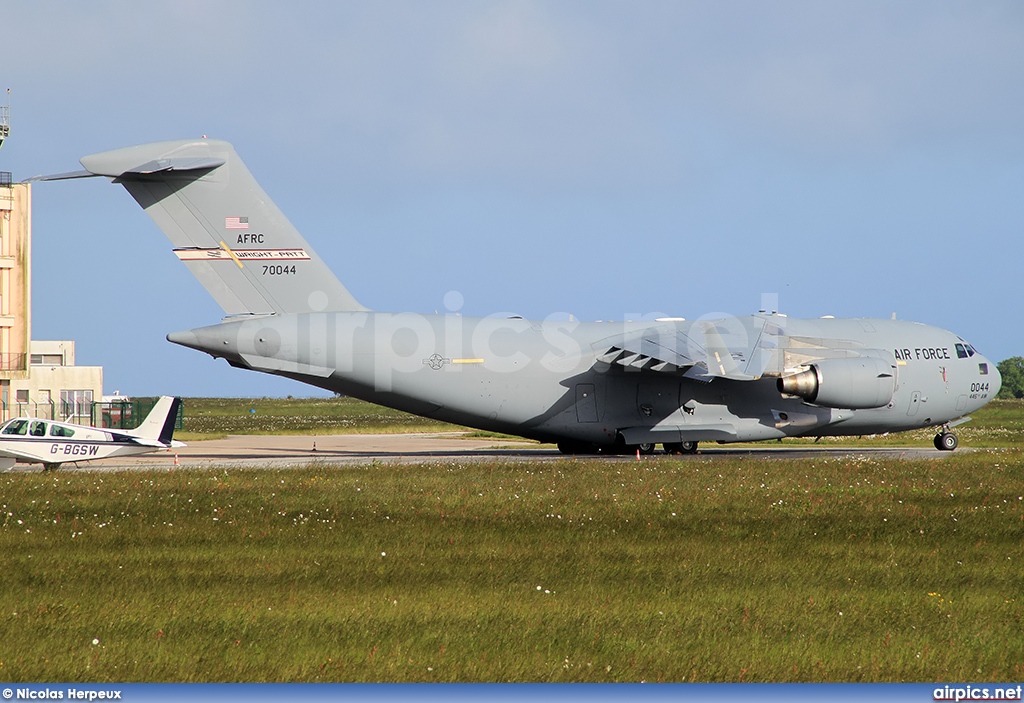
pixel 603 159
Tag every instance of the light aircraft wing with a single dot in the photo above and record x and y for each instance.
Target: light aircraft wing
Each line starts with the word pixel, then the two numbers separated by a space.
pixel 8 455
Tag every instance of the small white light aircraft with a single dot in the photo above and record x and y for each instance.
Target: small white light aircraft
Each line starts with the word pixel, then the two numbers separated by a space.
pixel 51 443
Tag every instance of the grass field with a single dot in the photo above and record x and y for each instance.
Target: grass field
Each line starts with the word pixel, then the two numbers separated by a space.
pixel 660 570
pixel 206 418
pixel 999 424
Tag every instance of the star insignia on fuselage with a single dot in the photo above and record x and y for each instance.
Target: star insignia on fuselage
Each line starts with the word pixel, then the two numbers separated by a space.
pixel 436 361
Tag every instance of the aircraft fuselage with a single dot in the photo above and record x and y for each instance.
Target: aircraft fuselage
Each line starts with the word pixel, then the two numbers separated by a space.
pixel 555 381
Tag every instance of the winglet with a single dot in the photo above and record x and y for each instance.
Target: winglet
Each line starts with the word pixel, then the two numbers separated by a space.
pixel 62 176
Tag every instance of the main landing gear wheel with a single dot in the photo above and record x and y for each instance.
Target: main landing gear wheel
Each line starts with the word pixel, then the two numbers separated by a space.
pixel 646 447
pixel 946 441
pixel 570 448
pixel 680 447
pixel 574 448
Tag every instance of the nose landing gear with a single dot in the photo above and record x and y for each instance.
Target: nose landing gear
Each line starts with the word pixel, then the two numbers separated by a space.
pixel 946 441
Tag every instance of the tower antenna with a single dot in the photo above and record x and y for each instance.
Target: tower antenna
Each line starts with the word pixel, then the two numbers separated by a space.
pixel 5 119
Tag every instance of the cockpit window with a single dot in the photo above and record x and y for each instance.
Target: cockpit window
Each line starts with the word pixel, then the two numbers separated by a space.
pixel 16 427
pixel 983 369
pixel 964 351
pixel 38 429
pixel 58 431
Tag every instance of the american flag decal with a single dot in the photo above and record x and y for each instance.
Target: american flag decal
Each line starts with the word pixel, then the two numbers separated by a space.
pixel 236 223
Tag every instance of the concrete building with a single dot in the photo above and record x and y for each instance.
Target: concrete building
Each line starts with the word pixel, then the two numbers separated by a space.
pixel 36 378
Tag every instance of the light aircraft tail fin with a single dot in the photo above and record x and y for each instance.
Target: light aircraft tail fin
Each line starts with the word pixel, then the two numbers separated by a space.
pixel 159 423
pixel 223 226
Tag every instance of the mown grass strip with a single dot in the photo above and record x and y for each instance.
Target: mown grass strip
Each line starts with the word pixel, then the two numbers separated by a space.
pixel 660 570
pixel 217 417
pixel 999 424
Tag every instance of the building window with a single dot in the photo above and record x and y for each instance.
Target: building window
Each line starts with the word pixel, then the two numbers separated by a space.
pixel 76 404
pixel 21 395
pixel 47 359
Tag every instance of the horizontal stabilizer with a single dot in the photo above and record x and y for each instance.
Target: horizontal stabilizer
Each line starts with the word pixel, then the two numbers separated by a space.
pixel 116 169
pixel 174 165
pixel 62 176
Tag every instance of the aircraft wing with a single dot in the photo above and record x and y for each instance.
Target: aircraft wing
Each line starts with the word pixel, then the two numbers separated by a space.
pixel 734 348
pixel 9 455
pixel 740 349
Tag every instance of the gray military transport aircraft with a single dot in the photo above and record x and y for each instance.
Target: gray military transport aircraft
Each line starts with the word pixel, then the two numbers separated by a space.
pixel 587 386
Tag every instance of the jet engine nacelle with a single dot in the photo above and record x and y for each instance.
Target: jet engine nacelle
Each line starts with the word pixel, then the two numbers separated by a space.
pixel 850 384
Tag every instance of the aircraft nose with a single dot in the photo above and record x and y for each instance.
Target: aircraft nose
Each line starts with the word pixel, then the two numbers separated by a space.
pixel 997 379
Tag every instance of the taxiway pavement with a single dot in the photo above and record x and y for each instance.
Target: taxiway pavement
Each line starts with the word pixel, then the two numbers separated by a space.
pixel 290 451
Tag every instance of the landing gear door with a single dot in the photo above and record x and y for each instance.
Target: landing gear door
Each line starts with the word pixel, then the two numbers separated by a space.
pixel 586 403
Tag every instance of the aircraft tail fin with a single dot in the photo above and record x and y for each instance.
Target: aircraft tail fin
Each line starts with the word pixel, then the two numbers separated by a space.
pixel 159 423
pixel 223 226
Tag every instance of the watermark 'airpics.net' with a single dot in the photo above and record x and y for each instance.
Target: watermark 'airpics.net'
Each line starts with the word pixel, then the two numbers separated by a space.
pixel 968 692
